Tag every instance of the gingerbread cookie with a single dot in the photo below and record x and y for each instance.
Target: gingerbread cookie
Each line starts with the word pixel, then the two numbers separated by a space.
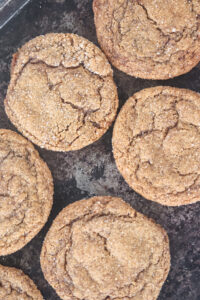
pixel 26 192
pixel 156 144
pixel 62 95
pixel 101 248
pixel 15 285
pixel 149 39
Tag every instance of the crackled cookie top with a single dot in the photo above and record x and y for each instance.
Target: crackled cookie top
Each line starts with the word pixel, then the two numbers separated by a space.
pixel 15 285
pixel 156 144
pixel 26 192
pixel 151 39
pixel 62 95
pixel 102 249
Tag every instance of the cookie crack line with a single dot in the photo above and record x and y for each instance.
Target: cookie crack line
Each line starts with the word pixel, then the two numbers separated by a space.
pixel 13 289
pixel 125 218
pixel 149 131
pixel 157 27
pixel 35 61
pixel 90 217
pixel 152 20
pixel 120 19
pixel 178 172
pixel 105 243
pixel 17 209
pixel 167 129
pixel 5 157
pixel 190 2
pixel 15 284
pixel 189 188
pixel 85 112
pixel 136 279
pixel 172 193
pixel 161 31
pixel 14 214
pixel 66 263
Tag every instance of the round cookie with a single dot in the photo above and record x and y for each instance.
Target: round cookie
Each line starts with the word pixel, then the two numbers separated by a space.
pixel 149 39
pixel 15 285
pixel 156 144
pixel 26 192
pixel 101 248
pixel 61 95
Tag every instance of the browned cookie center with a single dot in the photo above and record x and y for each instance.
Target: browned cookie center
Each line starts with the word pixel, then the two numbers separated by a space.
pixel 150 39
pixel 62 97
pixel 25 192
pixel 156 144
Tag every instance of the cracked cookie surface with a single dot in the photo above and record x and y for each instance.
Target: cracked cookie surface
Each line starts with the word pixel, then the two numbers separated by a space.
pixel 102 249
pixel 26 192
pixel 62 95
pixel 156 144
pixel 149 39
pixel 15 285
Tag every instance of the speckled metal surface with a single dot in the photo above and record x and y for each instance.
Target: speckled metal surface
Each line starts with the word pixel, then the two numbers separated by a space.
pixel 92 171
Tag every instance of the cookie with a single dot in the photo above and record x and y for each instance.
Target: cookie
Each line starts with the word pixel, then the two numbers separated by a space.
pixel 26 192
pixel 156 144
pixel 101 248
pixel 62 95
pixel 15 285
pixel 149 39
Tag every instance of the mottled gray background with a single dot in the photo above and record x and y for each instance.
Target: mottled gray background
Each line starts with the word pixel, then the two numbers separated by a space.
pixel 92 171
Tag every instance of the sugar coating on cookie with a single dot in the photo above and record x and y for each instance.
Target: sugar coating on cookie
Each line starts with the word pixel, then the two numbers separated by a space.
pixel 62 95
pixel 101 248
pixel 152 39
pixel 156 144
pixel 26 192
pixel 15 285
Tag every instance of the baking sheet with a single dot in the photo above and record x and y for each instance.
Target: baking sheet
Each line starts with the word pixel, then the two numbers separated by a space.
pixel 9 8
pixel 92 171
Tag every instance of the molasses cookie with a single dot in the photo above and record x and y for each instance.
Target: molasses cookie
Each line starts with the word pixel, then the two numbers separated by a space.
pixel 62 95
pixel 15 285
pixel 149 39
pixel 156 144
pixel 26 192
pixel 101 248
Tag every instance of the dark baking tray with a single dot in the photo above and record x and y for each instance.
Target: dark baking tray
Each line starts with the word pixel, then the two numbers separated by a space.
pixel 9 8
pixel 92 170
